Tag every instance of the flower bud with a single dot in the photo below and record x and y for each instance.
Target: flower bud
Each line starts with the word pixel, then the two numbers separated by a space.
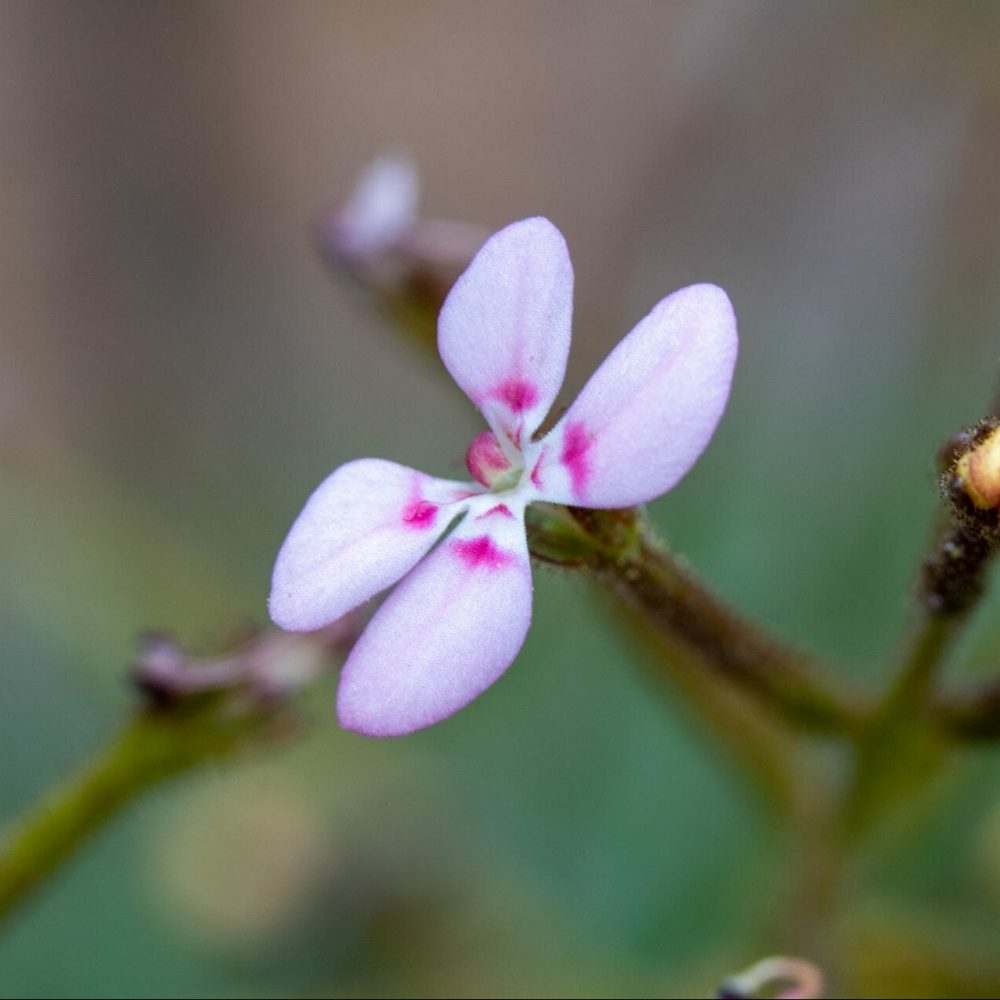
pixel 979 471
pixel 488 464
pixel 953 575
pixel 407 262
pixel 380 211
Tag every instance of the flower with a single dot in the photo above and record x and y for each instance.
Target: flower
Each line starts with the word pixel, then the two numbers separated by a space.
pixel 461 610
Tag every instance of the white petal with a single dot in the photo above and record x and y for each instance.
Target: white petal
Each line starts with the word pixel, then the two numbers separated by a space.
pixel 382 208
pixel 366 525
pixel 504 330
pixel 649 411
pixel 445 634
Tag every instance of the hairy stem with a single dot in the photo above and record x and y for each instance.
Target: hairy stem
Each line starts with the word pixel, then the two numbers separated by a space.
pixel 647 579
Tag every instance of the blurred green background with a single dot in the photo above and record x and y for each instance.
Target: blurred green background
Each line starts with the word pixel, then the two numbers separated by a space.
pixel 179 370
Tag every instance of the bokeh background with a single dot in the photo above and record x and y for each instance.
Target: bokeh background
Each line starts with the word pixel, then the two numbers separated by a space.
pixel 179 369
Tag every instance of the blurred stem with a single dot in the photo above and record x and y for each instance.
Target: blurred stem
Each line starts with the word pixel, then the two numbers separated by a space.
pixel 900 746
pixel 973 715
pixel 898 752
pixel 739 681
pixel 817 863
pixel 931 639
pixel 766 753
pixel 157 744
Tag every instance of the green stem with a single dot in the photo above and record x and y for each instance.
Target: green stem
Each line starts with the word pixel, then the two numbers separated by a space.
pixel 901 744
pixel 817 865
pixel 899 749
pixel 741 682
pixel 915 679
pixel 155 745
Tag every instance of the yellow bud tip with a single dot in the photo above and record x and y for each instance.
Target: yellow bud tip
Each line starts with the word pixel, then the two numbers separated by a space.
pixel 979 469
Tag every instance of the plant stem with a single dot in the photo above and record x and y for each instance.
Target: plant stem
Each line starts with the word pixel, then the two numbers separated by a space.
pixel 973 715
pixel 899 748
pixel 156 744
pixel 646 578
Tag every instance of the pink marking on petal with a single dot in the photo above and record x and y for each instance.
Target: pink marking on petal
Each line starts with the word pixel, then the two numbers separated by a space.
pixel 481 551
pixel 536 474
pixel 419 514
pixel 576 443
pixel 501 508
pixel 517 393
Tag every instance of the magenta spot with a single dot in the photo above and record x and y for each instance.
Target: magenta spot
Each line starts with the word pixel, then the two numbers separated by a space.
pixel 576 444
pixel 536 475
pixel 517 393
pixel 419 514
pixel 481 551
pixel 500 509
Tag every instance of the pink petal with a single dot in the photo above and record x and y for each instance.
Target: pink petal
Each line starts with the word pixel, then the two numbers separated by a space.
pixel 445 634
pixel 504 330
pixel 366 525
pixel 649 411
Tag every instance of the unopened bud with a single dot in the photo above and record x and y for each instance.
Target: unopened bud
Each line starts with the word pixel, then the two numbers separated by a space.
pixel 488 464
pixel 979 471
pixel 379 236
pixel 380 211
pixel 268 667
pixel 953 574
pixel 408 262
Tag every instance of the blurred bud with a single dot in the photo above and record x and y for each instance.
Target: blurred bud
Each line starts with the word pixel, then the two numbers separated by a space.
pixel 270 666
pixel 409 263
pixel 778 977
pixel 381 210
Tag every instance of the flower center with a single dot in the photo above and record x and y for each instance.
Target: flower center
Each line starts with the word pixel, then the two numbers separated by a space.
pixel 490 466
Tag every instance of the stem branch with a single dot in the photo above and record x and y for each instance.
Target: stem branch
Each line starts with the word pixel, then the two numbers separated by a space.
pixel 648 579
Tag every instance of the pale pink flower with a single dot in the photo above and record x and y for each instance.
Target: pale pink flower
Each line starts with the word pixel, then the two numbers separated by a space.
pixel 461 610
pixel 380 236
pixel 382 209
